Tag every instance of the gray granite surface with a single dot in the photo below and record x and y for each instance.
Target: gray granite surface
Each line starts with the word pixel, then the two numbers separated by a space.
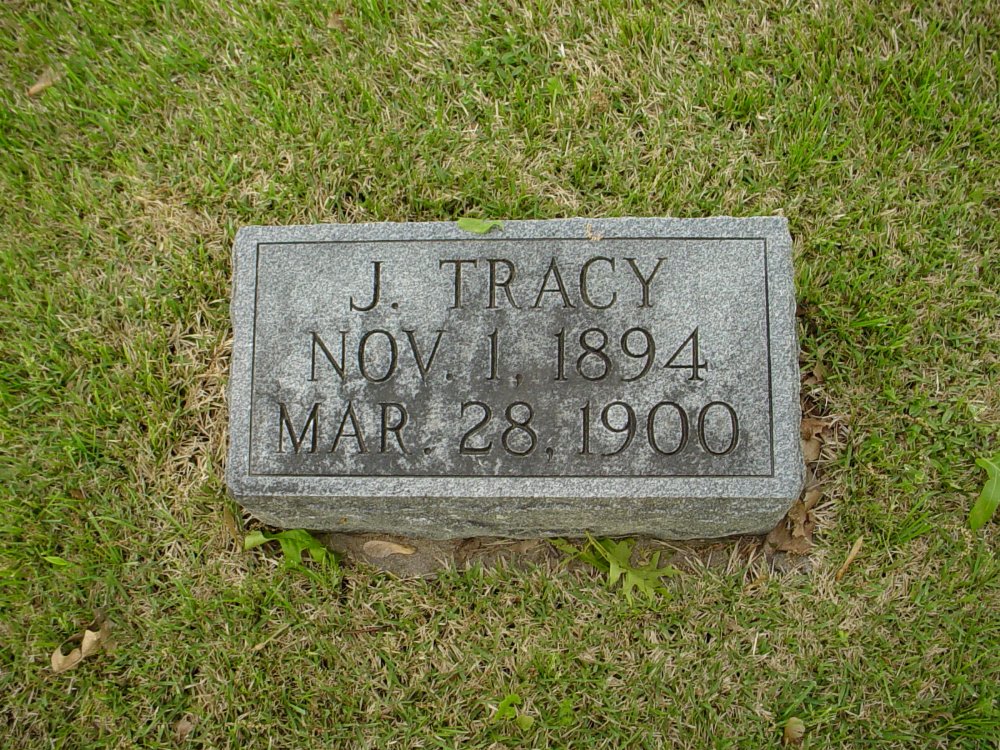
pixel 615 376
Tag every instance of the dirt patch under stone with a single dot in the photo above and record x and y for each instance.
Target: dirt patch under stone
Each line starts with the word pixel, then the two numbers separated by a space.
pixel 415 558
pixel 408 557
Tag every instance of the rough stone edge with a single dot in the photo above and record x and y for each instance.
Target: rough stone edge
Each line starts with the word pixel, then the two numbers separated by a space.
pixel 682 519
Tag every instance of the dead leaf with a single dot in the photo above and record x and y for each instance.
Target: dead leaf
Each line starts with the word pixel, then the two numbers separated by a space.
pixel 855 551
pixel 381 548
pixel 47 78
pixel 62 662
pixel 94 637
pixel 795 730
pixel 812 497
pixel 183 728
pixel 783 539
pixel 336 21
pixel 91 642
pixel 811 427
pixel 800 520
pixel 794 533
pixel 811 449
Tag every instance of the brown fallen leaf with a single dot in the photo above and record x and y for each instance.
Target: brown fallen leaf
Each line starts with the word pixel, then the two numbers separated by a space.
pixel 94 637
pixel 91 643
pixel 795 730
pixel 782 539
pixel 800 520
pixel 381 548
pixel 851 556
pixel 183 728
pixel 336 21
pixel 811 479
pixel 812 497
pixel 811 449
pixel 62 662
pixel 811 427
pixel 45 79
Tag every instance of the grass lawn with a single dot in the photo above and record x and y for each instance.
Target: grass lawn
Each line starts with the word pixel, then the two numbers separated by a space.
pixel 875 129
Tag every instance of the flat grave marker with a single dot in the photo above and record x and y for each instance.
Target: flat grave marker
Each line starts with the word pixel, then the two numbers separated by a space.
pixel 615 376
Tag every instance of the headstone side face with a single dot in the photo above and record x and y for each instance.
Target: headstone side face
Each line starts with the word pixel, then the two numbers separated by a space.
pixel 611 376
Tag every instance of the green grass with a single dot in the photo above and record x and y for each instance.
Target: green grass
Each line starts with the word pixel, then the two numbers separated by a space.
pixel 874 129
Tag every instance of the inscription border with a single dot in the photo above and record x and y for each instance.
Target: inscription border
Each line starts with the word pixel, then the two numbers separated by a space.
pixel 253 362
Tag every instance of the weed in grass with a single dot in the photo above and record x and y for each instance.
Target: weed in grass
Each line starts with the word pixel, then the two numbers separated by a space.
pixel 986 505
pixel 293 543
pixel 614 559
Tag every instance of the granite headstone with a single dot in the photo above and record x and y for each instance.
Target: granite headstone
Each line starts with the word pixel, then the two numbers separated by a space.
pixel 615 376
